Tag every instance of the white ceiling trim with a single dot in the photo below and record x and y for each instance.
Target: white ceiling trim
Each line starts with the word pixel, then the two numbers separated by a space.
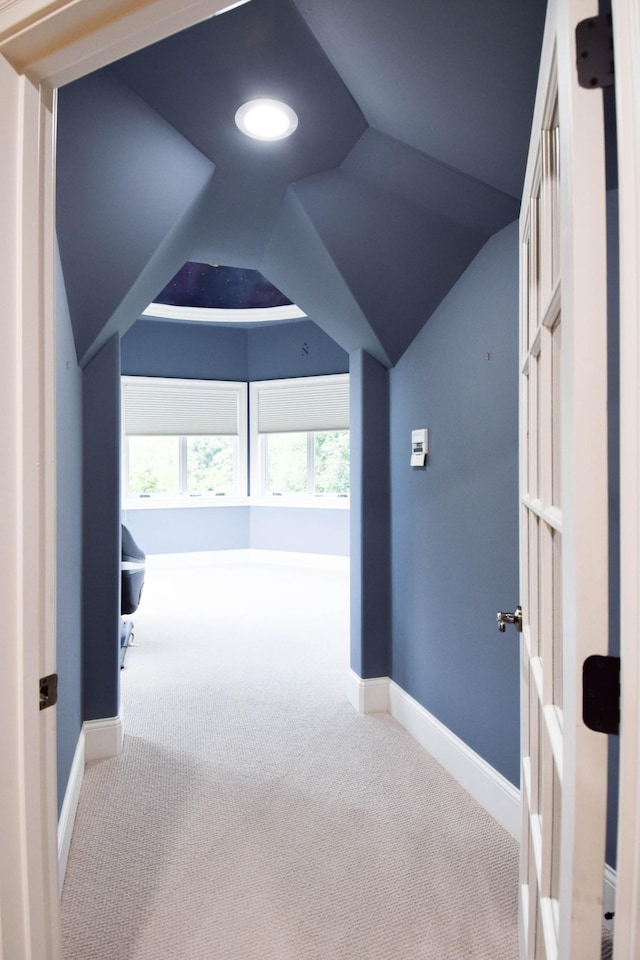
pixel 165 311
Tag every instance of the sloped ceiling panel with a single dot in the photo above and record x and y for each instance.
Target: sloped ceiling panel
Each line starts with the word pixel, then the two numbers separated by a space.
pixel 164 262
pixel 399 169
pixel 237 216
pixel 126 179
pixel 297 261
pixel 451 78
pixel 407 256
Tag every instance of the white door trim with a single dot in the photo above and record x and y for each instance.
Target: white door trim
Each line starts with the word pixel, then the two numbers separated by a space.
pixel 626 24
pixel 80 36
pixel 28 855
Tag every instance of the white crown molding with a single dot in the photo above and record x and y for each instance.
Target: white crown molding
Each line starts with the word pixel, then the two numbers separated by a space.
pixel 163 311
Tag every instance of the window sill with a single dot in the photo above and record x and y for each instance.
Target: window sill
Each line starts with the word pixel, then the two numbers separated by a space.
pixel 189 503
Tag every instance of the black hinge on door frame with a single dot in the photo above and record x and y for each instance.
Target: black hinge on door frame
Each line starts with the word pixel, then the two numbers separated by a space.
pixel 601 694
pixel 48 691
pixel 594 52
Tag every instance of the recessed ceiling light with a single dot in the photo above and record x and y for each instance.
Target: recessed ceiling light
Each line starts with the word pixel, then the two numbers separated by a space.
pixel 266 119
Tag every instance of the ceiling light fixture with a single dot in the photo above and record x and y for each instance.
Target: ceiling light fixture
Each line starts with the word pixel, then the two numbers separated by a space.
pixel 266 119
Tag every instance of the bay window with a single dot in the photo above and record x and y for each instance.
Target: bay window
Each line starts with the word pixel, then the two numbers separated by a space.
pixel 183 438
pixel 300 437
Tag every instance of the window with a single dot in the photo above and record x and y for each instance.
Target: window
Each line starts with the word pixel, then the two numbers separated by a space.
pixel 183 438
pixel 300 437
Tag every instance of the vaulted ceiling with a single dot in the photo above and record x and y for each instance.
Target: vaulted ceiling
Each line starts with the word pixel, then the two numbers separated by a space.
pixel 409 154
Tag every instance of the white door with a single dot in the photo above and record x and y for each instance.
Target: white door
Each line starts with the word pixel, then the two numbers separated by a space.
pixel 563 511
pixel 626 24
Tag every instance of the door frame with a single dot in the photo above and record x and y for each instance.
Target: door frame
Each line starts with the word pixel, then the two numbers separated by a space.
pixel 626 26
pixel 44 44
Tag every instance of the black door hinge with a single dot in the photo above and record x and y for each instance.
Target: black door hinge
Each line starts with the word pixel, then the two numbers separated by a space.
pixel 601 694
pixel 594 52
pixel 48 691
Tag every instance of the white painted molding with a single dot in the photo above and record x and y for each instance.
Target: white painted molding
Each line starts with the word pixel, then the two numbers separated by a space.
pixel 499 797
pixel 208 558
pixel 103 738
pixel 58 41
pixel 286 558
pixel 368 696
pixel 69 807
pixel 493 792
pixel 199 558
pixel 217 315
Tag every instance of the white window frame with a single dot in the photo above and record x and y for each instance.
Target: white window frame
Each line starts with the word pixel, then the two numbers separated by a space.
pixel 237 389
pixel 258 459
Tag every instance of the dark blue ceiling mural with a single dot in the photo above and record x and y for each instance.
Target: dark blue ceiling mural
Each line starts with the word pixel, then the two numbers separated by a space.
pixel 409 154
pixel 216 287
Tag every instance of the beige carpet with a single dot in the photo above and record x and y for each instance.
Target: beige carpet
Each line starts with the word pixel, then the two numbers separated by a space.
pixel 254 815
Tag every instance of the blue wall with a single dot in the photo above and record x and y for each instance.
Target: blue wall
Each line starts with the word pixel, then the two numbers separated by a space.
pixel 101 533
pixel 68 539
pixel 370 533
pixel 159 348
pixel 194 529
pixel 299 349
pixel 196 351
pixel 310 530
pixel 454 554
pixel 189 529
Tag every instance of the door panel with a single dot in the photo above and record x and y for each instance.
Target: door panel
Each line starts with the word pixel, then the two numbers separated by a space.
pixel 563 471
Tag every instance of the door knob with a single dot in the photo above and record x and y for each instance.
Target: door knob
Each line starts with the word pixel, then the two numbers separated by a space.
pixel 515 618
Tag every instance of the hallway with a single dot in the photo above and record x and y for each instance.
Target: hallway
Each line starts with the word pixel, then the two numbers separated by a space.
pixel 254 814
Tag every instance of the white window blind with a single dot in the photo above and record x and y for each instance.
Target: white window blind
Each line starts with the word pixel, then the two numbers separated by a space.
pixel 154 406
pixel 312 403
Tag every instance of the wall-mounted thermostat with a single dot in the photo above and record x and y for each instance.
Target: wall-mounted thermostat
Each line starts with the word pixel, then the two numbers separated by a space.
pixel 419 444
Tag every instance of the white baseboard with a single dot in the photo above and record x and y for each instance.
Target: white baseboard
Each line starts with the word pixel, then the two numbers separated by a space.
pixel 208 558
pixel 98 740
pixel 103 738
pixel 199 558
pixel 368 696
pixel 321 561
pixel 499 797
pixel 69 807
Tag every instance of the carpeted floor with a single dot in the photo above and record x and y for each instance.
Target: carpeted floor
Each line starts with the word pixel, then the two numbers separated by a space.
pixel 254 815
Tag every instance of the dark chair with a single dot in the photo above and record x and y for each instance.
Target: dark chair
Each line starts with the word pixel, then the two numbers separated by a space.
pixel 132 581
